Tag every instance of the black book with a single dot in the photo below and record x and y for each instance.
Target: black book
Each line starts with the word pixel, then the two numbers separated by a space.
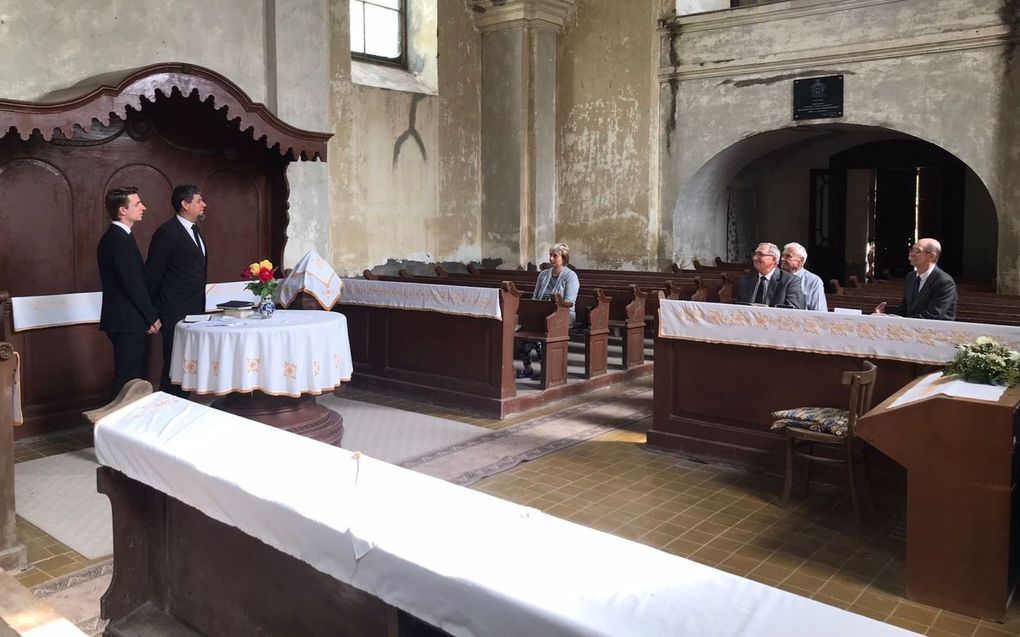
pixel 235 305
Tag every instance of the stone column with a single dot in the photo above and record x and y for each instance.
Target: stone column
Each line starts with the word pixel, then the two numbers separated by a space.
pixel 519 44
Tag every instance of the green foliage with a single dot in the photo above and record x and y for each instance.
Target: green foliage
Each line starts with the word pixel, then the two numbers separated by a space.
pixel 985 361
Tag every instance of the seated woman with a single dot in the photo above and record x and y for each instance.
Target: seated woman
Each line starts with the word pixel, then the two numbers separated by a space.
pixel 557 279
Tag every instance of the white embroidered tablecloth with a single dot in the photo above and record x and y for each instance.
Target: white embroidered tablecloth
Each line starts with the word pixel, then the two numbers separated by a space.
pixel 915 340
pixel 292 353
pixel 448 299
pixel 314 276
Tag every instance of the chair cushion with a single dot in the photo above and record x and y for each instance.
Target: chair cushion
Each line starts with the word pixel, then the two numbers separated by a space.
pixel 829 420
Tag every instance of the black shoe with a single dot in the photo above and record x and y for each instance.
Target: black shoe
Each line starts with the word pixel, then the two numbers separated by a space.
pixel 525 373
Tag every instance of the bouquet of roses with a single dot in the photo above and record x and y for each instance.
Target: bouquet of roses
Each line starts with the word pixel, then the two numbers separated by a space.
pixel 260 278
pixel 985 361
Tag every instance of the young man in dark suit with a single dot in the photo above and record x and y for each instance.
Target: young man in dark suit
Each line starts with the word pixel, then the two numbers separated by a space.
pixel 769 285
pixel 127 314
pixel 175 271
pixel 928 291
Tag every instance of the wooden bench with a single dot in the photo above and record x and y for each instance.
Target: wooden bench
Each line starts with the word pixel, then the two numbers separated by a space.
pixel 547 323
pixel 13 555
pixel 592 326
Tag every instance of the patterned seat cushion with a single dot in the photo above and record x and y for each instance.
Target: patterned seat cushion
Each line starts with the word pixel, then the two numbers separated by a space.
pixel 829 420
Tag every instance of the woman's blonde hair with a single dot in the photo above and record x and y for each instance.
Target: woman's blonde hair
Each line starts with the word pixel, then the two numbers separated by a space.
pixel 563 250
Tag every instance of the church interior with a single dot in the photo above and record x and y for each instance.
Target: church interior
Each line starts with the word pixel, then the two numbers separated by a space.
pixel 417 166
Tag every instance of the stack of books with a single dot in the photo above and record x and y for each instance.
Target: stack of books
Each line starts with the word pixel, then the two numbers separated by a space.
pixel 237 309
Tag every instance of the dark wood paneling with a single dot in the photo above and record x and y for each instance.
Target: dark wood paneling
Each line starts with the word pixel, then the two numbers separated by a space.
pixel 37 244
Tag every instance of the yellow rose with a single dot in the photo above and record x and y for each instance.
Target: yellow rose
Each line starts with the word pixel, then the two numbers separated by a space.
pixel 254 269
pixel 266 264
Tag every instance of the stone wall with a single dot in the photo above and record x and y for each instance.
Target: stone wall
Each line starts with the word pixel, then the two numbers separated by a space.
pixel 936 71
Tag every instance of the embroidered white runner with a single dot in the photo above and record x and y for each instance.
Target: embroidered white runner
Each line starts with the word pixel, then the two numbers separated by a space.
pixel 313 275
pixel 461 560
pixel 52 310
pixel 917 340
pixel 448 299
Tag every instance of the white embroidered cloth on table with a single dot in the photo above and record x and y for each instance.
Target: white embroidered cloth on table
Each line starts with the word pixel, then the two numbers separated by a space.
pixel 53 310
pixel 292 353
pixel 448 299
pixel 889 337
pixel 314 276
pixel 462 560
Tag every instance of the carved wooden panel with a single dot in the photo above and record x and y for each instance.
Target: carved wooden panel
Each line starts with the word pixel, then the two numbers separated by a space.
pixel 36 228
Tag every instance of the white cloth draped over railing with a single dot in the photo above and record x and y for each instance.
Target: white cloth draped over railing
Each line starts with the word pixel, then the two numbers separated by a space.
pixel 888 337
pixel 461 560
pixel 448 299
pixel 315 277
pixel 54 310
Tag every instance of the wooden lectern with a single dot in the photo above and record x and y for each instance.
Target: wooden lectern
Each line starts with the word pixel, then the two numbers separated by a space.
pixel 958 454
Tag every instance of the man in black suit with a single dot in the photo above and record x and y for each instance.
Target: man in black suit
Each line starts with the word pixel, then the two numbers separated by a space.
pixel 175 271
pixel 928 292
pixel 769 285
pixel 127 314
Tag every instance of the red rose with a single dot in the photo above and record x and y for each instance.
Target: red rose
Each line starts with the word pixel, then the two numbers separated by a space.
pixel 246 273
pixel 265 275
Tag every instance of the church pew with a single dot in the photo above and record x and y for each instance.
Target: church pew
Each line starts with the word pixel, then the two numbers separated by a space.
pixel 13 554
pixel 547 323
pixel 593 327
pixel 293 537
pixel 462 361
pixel 627 313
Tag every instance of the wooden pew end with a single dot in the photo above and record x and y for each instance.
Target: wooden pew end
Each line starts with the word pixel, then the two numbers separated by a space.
pixel 129 393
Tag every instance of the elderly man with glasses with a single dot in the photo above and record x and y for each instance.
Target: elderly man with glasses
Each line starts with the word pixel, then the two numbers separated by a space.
pixel 769 285
pixel 928 292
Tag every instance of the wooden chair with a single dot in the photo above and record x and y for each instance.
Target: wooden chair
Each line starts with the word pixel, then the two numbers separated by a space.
pixel 809 427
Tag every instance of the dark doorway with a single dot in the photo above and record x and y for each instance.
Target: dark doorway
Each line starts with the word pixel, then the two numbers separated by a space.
pixel 917 190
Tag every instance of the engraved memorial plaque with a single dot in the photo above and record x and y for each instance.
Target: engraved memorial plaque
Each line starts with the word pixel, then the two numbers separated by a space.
pixel 818 97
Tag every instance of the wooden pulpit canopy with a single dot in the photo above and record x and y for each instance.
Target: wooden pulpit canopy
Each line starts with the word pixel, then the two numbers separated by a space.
pixel 112 93
pixel 153 128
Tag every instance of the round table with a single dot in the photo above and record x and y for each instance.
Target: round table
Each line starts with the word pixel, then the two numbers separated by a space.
pixel 268 370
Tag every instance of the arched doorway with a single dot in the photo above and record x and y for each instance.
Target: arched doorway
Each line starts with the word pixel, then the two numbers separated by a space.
pixel 838 189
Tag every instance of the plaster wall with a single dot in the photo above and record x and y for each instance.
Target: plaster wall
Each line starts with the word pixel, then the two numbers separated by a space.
pixel 732 82
pixel 403 169
pixel 608 130
pixel 276 51
pixel 53 44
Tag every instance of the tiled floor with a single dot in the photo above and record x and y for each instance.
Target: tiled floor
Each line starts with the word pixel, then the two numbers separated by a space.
pixel 716 515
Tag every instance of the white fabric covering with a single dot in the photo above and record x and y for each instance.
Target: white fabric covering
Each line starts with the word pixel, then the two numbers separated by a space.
pixel 314 276
pixel 448 299
pixel 34 312
pixel 889 337
pixel 291 353
pixel 464 561
pixel 17 415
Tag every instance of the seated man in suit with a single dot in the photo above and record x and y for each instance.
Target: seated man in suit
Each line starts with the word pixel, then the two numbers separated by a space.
pixel 769 285
pixel 928 292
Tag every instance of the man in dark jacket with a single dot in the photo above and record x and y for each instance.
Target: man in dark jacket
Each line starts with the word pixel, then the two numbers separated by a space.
pixel 769 285
pixel 928 291
pixel 175 271
pixel 127 314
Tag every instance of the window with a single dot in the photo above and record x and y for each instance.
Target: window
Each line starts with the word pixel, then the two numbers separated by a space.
pixel 377 31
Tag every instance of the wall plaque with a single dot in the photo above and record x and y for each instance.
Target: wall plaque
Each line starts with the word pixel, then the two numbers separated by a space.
pixel 818 97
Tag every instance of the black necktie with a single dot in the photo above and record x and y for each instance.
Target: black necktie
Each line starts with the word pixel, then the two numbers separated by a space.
pixel 759 295
pixel 198 240
pixel 917 285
